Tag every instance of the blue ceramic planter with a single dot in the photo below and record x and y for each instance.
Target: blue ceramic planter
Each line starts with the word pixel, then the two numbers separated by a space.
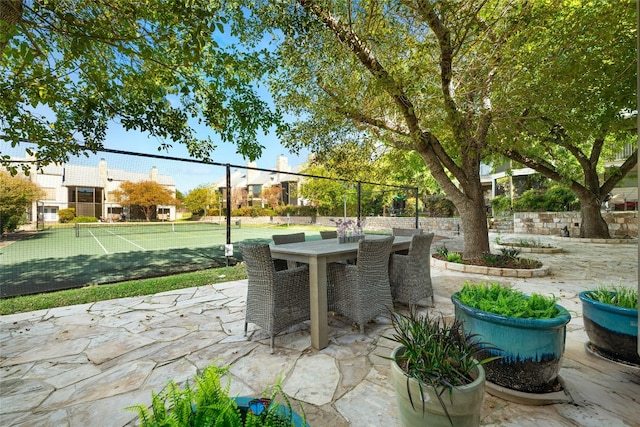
pixel 530 350
pixel 283 411
pixel 613 331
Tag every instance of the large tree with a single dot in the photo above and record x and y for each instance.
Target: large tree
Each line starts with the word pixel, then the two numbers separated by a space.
pixel 162 67
pixel 202 198
pixel 440 78
pixel 575 74
pixel 146 195
pixel 16 194
pixel 417 75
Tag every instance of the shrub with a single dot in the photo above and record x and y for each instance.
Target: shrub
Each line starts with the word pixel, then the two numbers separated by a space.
pixel 84 218
pixel 501 205
pixel 530 201
pixel 253 211
pixel 439 206
pixel 66 215
pixel 559 199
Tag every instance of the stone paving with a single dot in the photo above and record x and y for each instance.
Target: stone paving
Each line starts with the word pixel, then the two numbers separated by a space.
pixel 82 365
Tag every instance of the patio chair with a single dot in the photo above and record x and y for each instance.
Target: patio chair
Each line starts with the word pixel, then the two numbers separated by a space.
pixel 406 232
pixel 410 274
pixel 276 300
pixel 363 291
pixel 329 234
pixel 281 239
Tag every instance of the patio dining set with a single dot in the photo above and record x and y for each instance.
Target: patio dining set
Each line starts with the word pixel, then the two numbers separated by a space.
pixel 297 280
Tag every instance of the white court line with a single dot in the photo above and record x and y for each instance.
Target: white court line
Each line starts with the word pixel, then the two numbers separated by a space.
pixel 129 241
pixel 103 248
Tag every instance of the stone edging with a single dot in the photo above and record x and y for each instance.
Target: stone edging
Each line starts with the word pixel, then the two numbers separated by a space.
pixel 532 249
pixel 491 271
pixel 633 241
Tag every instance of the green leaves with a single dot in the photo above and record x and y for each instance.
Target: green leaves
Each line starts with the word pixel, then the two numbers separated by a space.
pixel 68 71
pixel 508 302
pixel 620 296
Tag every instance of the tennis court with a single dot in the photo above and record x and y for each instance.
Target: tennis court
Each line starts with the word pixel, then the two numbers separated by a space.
pixel 100 253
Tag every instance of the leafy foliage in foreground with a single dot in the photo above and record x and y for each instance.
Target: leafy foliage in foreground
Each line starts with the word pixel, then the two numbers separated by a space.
pixel 436 353
pixel 206 404
pixel 497 299
pixel 620 296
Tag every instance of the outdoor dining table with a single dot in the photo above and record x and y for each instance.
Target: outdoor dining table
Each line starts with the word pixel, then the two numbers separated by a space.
pixel 318 253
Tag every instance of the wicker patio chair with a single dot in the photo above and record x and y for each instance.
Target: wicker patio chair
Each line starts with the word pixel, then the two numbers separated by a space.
pixel 329 234
pixel 363 291
pixel 410 274
pixel 281 239
pixel 406 232
pixel 276 300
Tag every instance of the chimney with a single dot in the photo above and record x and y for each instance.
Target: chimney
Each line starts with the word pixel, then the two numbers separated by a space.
pixel 251 173
pixel 154 174
pixel 282 164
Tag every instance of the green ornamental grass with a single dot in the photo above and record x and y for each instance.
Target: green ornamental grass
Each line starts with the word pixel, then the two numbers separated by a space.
pixel 497 299
pixel 620 296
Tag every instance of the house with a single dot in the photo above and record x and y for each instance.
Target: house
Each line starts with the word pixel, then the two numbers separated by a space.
pixel 249 187
pixel 89 190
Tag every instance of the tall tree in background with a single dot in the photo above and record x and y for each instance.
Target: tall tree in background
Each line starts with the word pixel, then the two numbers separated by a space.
pixel 162 67
pixel 147 195
pixel 575 74
pixel 436 78
pixel 201 199
pixel 16 194
pixel 417 75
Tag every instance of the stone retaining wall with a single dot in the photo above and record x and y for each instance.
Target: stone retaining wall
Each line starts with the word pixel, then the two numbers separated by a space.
pixel 621 224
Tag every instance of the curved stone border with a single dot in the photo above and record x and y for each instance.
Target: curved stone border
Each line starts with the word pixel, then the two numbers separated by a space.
pixel 491 271
pixel 633 241
pixel 532 249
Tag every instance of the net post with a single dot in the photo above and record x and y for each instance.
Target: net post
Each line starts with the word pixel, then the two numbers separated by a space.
pixel 76 226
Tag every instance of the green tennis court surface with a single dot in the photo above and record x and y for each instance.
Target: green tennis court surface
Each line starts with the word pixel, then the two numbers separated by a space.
pixel 57 259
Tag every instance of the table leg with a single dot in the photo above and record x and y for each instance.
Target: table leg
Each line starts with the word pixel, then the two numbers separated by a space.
pixel 318 297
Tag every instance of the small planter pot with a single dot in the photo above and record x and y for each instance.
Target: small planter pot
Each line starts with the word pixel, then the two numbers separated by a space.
pixel 612 330
pixel 463 405
pixel 282 411
pixel 530 350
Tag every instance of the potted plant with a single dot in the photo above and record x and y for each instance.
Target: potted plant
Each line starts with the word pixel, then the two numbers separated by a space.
pixel 611 320
pixel 527 333
pixel 437 379
pixel 207 403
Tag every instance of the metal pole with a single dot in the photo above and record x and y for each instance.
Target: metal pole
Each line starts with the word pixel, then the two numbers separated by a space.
pixel 416 196
pixel 228 213
pixel 359 201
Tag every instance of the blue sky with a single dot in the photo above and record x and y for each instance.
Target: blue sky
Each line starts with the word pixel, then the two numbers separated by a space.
pixel 186 175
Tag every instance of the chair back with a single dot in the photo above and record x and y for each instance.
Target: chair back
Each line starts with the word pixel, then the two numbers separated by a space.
pixel 281 239
pixel 259 264
pixel 406 231
pixel 419 261
pixel 420 247
pixel 329 234
pixel 373 257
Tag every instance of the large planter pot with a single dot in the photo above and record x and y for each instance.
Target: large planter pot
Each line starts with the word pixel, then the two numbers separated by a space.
pixel 282 411
pixel 612 331
pixel 463 405
pixel 530 350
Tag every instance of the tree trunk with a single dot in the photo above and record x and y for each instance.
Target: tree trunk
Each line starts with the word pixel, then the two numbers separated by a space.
pixel 592 224
pixel 473 217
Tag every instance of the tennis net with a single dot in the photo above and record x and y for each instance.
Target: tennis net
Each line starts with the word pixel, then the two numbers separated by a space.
pixel 84 229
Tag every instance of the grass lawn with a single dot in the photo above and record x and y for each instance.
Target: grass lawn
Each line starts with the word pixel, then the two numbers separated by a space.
pixel 120 290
